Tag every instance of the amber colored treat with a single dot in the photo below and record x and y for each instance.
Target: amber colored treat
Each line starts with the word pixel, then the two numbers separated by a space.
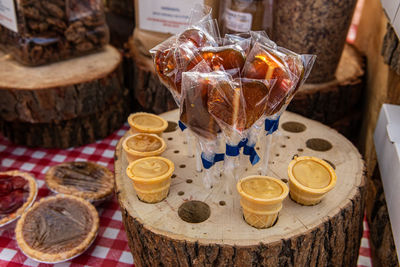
pixel 255 94
pixel 221 58
pixel 225 104
pixel 172 61
pixel 194 111
pixel 265 65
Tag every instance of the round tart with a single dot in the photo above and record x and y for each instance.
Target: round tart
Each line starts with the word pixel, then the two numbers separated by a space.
pixel 57 228
pixel 87 180
pixel 142 122
pixel 18 191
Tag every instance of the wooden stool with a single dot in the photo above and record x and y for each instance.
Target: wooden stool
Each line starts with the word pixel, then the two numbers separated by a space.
pixel 328 233
pixel 63 104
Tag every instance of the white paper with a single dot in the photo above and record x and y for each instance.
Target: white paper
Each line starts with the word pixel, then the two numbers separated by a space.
pixel 168 16
pixel 7 15
pixel 238 21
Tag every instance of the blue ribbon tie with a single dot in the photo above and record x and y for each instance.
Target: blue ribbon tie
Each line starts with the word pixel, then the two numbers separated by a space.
pixel 250 151
pixel 208 164
pixel 271 125
pixel 234 151
pixel 182 126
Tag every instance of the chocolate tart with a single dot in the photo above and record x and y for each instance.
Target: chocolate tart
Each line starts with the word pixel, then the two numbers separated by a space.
pixel 57 228
pixel 18 191
pixel 87 180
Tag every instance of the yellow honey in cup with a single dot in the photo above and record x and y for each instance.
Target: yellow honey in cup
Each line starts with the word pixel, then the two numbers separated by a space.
pixel 143 145
pixel 261 199
pixel 151 177
pixel 310 179
pixel 143 122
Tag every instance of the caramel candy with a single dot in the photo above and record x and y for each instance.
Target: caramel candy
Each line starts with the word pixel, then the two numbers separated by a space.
pixel 194 110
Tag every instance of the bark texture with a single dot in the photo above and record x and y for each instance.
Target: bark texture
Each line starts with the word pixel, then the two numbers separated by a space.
pixel 74 132
pixel 381 236
pixel 335 242
pixel 391 49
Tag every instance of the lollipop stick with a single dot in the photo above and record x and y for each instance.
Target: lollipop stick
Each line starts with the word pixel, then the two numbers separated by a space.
pixel 198 157
pixel 265 163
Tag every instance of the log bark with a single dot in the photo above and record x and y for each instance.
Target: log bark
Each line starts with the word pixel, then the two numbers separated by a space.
pixel 60 91
pixel 328 236
pixel 331 101
pixel 381 237
pixel 391 49
pixel 74 132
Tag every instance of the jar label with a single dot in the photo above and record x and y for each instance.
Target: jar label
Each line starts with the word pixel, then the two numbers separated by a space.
pixel 238 21
pixel 7 15
pixel 168 16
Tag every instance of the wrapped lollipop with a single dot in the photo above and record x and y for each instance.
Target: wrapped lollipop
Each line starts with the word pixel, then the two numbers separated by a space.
pixel 194 113
pixel 268 61
pixel 255 94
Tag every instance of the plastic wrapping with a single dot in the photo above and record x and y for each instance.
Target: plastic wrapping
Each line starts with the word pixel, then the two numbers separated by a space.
pixel 54 30
pixel 172 57
pixel 57 228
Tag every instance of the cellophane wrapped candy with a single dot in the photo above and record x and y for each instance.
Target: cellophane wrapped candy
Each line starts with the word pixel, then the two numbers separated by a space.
pixel 228 86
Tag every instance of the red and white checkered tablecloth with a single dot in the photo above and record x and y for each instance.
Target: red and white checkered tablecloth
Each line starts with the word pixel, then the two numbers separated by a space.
pixel 111 246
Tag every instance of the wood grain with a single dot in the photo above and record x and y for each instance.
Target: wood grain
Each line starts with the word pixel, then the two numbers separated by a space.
pixel 326 234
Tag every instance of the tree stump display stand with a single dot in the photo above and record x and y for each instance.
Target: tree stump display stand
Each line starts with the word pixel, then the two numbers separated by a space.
pixel 69 103
pixel 327 234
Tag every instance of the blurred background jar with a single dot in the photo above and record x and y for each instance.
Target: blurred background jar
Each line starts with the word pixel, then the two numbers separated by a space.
pixel 245 15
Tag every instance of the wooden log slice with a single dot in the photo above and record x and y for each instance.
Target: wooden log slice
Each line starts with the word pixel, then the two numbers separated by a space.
pixel 349 126
pixel 331 101
pixel 74 132
pixel 327 234
pixel 381 237
pixel 61 91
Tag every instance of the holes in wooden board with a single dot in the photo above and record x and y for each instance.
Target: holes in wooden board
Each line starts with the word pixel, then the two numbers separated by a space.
pixel 330 163
pixel 170 138
pixel 222 203
pixel 318 144
pixel 194 211
pixel 172 126
pixel 284 180
pixel 182 166
pixel 173 176
pixel 189 181
pixel 176 151
pixel 181 193
pixel 300 149
pixel 293 127
pixel 277 155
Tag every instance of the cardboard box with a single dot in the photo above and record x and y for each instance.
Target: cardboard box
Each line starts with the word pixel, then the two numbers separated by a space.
pixel 387 146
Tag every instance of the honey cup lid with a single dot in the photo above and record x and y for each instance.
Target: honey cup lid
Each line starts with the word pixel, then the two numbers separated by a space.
pixel 150 169
pixel 262 189
pixel 312 174
pixel 147 122
pixel 144 144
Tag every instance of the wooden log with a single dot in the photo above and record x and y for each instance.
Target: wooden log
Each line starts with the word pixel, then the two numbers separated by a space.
pixel 61 91
pixel 349 126
pixel 149 92
pixel 124 8
pixel 74 132
pixel 314 27
pixel 381 237
pixel 327 234
pixel 331 101
pixel 121 28
pixel 391 49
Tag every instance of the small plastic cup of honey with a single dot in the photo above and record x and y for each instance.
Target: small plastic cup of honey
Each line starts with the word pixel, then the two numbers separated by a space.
pixel 310 178
pixel 151 177
pixel 142 145
pixel 142 122
pixel 261 199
